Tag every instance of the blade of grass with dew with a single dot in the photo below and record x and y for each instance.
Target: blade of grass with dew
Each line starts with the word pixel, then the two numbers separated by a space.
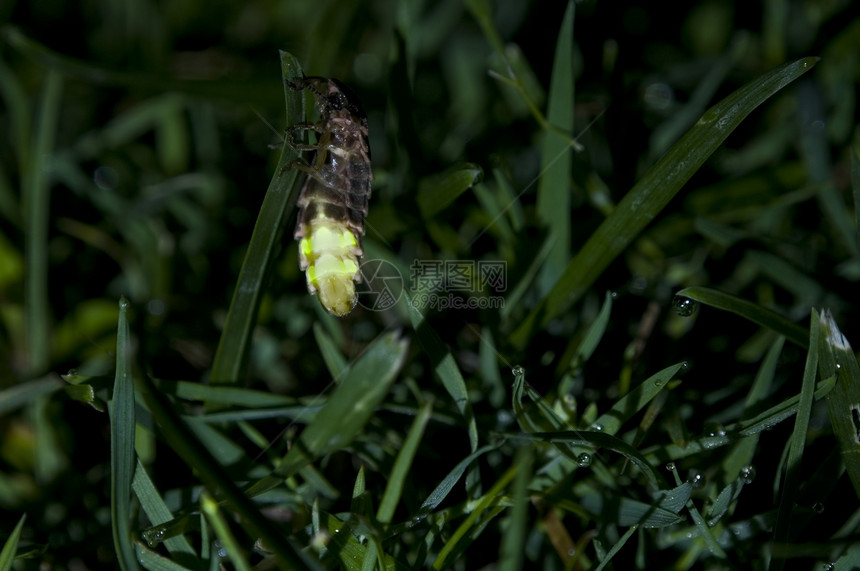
pixel 598 440
pixel 635 400
pixel 234 344
pixel 334 361
pixel 749 311
pixel 654 191
pixel 402 464
pixel 37 195
pixel 121 409
pixel 761 422
pixel 437 191
pixel 10 547
pixel 445 368
pixel 157 511
pixel 742 452
pixel 448 482
pixel 553 192
pixel 843 403
pixel 514 538
pixel 350 406
pixel 179 437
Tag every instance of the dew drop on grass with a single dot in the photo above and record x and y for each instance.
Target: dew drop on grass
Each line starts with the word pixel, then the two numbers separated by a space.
pixel 818 507
pixel 748 474
pixel 659 383
pixel 670 466
pixel 597 427
pixel 518 371
pixel 684 306
pixel 584 460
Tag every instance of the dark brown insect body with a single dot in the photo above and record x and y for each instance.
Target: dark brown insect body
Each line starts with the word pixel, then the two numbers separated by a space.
pixel 334 198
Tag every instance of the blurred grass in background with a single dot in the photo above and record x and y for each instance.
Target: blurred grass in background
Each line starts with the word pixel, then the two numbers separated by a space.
pixel 135 163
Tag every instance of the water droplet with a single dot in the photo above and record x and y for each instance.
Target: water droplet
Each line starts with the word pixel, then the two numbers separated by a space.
pixel 123 303
pixel 684 306
pixel 659 383
pixel 685 364
pixel 696 480
pixel 670 466
pixel 818 507
pixel 715 430
pixel 748 474
pixel 518 371
pixel 613 294
pixel 838 366
pixel 597 427
pixel 584 460
pixel 153 536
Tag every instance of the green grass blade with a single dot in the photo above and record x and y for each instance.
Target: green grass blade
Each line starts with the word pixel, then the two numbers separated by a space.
pixel 553 193
pixel 749 311
pixel 397 477
pixel 351 405
pixel 742 453
pixel 651 194
pixel 616 548
pixel 513 541
pixel 121 408
pixel 157 511
pixel 788 498
pixel 10 547
pixel 635 400
pixel 438 191
pixel 334 361
pixel 448 482
pixel 597 440
pixel 37 197
pixel 234 344
pixel 155 562
pixel 843 403
pixel 26 393
pixel 445 367
pixel 209 507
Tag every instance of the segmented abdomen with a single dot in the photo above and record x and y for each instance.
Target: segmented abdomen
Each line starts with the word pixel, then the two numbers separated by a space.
pixel 334 199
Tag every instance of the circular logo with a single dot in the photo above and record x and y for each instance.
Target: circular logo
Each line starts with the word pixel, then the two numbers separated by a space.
pixel 381 285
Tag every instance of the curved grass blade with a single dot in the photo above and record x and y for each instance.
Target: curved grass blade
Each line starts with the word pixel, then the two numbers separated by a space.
pixel 749 311
pixel 651 194
pixel 121 409
pixel 10 547
pixel 616 548
pixel 233 347
pixel 836 358
pixel 351 405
